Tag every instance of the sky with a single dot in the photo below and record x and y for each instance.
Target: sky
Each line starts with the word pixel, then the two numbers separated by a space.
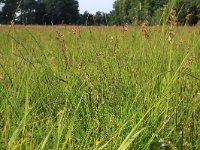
pixel 1 7
pixel 92 6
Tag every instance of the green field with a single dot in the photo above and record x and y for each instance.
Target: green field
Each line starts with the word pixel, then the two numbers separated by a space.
pixel 69 87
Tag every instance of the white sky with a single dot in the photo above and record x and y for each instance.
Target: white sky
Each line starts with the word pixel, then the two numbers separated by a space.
pixel 1 6
pixel 93 6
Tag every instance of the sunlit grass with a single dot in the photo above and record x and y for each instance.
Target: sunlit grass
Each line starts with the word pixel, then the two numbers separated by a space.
pixel 99 88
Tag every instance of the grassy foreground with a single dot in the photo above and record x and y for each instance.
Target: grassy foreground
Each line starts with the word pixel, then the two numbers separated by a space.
pixel 99 88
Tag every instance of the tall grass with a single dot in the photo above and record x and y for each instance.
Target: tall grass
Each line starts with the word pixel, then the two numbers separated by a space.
pixel 99 88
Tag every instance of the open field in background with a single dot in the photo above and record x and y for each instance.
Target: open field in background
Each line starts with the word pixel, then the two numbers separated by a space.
pixel 99 88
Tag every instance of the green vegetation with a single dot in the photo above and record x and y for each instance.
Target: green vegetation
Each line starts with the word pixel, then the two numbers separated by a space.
pixel 124 11
pixel 39 11
pixel 151 11
pixel 99 88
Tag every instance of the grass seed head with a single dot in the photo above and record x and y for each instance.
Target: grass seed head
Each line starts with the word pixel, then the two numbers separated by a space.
pixel 125 27
pixel 172 18
pixel 173 22
pixel 145 30
pixel 189 63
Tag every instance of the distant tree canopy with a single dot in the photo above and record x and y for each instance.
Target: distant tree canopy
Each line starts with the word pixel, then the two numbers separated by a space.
pixel 124 11
pixel 61 11
pixel 8 10
pixel 138 11
pixel 40 11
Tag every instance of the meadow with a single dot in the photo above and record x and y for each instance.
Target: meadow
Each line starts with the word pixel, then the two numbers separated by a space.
pixel 70 87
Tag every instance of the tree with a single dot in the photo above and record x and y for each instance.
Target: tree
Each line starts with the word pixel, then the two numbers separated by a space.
pixel 62 11
pixel 27 11
pixel 88 19
pixel 118 13
pixel 138 11
pixel 124 11
pixel 188 11
pixel 8 10
pixel 100 18
pixel 40 12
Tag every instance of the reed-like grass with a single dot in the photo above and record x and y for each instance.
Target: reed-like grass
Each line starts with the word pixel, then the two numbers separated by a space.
pixel 99 88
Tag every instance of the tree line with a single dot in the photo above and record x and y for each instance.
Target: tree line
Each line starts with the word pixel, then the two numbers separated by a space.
pixel 47 12
pixel 39 11
pixel 124 11
pixel 151 11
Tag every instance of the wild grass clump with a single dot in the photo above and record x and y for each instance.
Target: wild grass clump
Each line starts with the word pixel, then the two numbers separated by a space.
pixel 99 88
